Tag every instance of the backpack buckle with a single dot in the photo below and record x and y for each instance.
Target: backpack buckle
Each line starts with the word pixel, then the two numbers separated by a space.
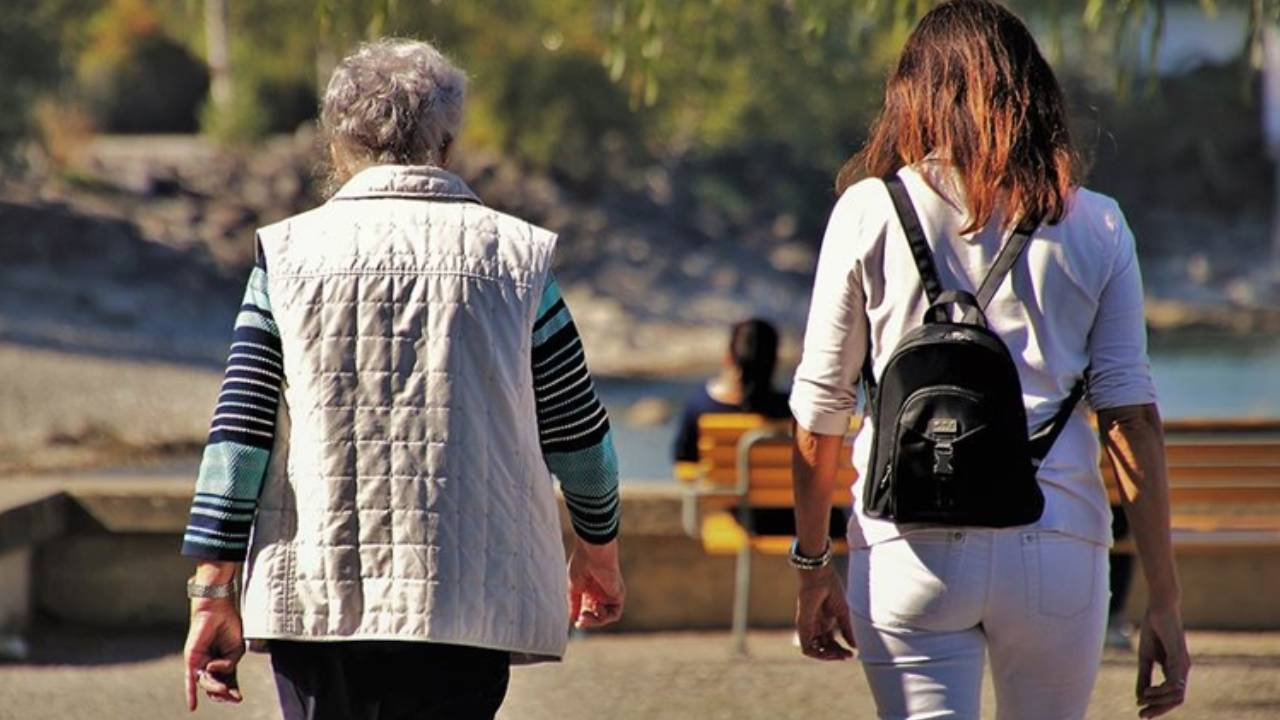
pixel 943 452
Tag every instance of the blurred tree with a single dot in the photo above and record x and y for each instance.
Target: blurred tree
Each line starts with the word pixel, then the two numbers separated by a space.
pixel 29 65
pixel 272 47
pixel 763 97
pixel 218 54
pixel 134 78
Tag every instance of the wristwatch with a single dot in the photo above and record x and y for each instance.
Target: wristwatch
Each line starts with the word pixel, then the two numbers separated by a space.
pixel 800 561
pixel 197 590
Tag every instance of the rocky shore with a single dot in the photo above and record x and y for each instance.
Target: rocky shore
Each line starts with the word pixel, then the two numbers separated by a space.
pixel 140 247
pixel 126 268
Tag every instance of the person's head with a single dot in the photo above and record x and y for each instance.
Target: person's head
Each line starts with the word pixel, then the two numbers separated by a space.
pixel 394 102
pixel 753 354
pixel 971 89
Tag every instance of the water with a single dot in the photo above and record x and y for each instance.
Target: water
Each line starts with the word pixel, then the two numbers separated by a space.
pixel 1202 377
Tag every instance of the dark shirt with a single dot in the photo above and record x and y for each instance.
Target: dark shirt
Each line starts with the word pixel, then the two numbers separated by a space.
pixel 701 403
pixel 765 521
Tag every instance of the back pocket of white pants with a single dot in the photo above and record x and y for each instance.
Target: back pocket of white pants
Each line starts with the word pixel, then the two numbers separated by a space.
pixel 1063 573
pixel 909 578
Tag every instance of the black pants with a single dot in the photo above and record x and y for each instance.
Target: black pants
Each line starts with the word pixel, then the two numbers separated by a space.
pixel 388 680
pixel 782 521
pixel 1121 563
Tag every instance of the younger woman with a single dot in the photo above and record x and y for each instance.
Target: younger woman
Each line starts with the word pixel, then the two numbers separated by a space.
pixel 974 127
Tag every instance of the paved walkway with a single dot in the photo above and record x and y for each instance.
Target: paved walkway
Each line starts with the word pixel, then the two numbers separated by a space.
pixel 649 676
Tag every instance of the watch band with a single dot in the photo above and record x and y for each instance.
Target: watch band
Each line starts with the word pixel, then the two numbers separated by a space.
pixel 197 590
pixel 800 561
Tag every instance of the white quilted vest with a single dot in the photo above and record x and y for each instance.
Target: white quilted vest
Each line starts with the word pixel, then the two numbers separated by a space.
pixel 407 497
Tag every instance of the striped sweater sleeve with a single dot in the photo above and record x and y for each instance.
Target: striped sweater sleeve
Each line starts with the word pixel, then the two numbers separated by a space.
pixel 573 426
pixel 242 433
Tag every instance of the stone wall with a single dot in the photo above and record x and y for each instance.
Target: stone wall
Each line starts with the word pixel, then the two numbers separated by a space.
pixel 118 566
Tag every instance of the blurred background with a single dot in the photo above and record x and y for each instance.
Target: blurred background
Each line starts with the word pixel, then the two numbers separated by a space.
pixel 685 151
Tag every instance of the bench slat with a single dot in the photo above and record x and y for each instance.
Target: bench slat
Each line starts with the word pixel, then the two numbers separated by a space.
pixel 723 535
pixel 771 476
pixel 784 498
pixel 1195 475
pixel 1177 454
pixel 1221 495
pixel 1222 425
pixel 1224 478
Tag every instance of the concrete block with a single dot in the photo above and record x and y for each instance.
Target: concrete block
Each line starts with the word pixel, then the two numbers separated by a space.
pixel 31 513
pixel 15 590
pixel 122 568
pixel 673 585
pixel 126 580
pixel 1235 589
pixel 156 505
pixel 15 602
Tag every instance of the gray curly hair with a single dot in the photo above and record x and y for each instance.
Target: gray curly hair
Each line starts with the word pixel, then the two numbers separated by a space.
pixel 393 101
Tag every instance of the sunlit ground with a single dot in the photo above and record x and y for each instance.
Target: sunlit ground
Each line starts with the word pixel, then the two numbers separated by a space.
pixel 640 676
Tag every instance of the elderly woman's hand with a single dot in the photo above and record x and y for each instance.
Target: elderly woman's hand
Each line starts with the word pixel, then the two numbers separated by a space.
pixel 215 640
pixel 821 612
pixel 596 590
pixel 215 644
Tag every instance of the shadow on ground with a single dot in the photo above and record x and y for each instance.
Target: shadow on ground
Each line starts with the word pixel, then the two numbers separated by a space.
pixel 58 644
pixel 658 676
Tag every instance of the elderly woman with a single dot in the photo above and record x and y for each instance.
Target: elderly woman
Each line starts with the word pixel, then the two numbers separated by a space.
pixel 404 380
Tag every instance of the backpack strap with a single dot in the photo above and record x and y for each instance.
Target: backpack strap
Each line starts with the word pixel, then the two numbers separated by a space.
pixel 1043 439
pixel 915 236
pixel 868 378
pixel 1008 255
pixel 923 255
pixel 1005 259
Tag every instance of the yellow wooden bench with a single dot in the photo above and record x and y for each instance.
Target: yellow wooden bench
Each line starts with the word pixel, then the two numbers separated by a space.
pixel 1224 484
pixel 745 464
pixel 1224 478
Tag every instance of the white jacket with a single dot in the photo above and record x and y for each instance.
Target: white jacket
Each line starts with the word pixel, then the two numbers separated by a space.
pixel 407 497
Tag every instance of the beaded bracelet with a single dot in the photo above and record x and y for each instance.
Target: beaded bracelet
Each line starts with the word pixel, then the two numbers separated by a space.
pixel 804 562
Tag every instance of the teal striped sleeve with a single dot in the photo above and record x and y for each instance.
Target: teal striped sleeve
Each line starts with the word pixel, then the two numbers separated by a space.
pixel 573 427
pixel 241 434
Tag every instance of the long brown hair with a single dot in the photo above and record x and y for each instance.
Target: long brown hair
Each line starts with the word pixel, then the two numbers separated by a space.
pixel 753 345
pixel 972 90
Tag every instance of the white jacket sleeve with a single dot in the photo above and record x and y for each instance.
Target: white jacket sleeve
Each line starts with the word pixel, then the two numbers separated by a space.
pixel 823 393
pixel 1120 372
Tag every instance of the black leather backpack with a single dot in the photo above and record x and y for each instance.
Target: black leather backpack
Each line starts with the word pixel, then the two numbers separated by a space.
pixel 951 441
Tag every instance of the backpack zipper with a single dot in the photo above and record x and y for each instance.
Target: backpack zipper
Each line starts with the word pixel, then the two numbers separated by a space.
pixel 897 426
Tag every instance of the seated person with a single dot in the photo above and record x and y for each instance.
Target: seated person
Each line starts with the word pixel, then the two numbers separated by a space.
pixel 1119 630
pixel 745 385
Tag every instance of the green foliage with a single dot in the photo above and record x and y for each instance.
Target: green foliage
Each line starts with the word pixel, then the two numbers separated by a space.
pixel 260 106
pixel 29 64
pixel 562 114
pixel 274 48
pixel 155 86
pixel 758 100
pixel 1195 145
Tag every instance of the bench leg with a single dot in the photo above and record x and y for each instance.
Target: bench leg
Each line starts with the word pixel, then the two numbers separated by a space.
pixel 16 581
pixel 689 515
pixel 741 600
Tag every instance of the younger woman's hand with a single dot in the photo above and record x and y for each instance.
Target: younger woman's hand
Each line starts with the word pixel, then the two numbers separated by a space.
pixel 1162 642
pixel 821 612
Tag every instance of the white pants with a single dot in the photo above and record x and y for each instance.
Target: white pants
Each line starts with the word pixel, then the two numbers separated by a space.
pixel 929 605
